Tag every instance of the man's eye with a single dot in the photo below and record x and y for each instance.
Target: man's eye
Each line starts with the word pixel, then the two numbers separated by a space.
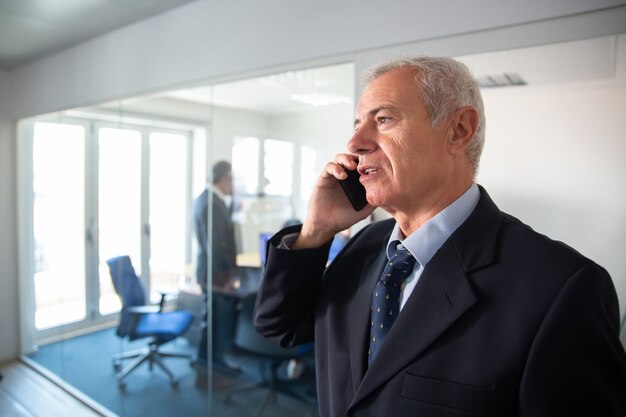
pixel 382 120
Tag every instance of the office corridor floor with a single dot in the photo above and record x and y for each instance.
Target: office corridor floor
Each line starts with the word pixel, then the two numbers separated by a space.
pixel 24 392
pixel 84 363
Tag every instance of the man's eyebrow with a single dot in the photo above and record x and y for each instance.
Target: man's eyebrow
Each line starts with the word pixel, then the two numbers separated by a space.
pixel 374 111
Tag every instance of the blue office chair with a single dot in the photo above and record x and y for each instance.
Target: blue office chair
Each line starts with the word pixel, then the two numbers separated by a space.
pixel 268 366
pixel 138 320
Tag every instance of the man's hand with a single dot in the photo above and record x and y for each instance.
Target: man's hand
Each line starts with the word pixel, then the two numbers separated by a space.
pixel 329 209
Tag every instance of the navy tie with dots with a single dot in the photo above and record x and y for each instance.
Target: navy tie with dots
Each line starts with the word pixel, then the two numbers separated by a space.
pixel 386 296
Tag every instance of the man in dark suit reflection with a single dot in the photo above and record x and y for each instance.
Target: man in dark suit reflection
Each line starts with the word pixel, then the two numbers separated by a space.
pixel 223 253
pixel 223 247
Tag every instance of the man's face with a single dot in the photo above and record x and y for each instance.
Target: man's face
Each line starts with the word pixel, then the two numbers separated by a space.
pixel 404 163
pixel 225 184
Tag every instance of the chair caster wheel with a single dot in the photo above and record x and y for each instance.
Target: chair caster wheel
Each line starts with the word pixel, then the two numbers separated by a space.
pixel 174 383
pixel 122 386
pixel 117 366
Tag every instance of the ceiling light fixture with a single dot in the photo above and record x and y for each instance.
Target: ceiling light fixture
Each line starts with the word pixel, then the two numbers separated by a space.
pixel 506 79
pixel 317 98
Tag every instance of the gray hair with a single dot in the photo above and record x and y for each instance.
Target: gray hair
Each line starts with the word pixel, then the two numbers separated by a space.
pixel 444 86
pixel 221 169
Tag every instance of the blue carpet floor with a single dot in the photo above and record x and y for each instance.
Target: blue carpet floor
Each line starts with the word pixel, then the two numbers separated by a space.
pixel 85 363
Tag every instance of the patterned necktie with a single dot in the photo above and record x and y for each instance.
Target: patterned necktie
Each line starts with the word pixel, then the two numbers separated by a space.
pixel 386 296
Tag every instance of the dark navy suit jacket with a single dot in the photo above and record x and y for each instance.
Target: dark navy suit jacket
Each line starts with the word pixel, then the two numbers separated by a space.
pixel 223 247
pixel 503 322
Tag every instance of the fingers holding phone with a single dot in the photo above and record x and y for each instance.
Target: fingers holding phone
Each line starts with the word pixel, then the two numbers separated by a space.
pixel 346 173
pixel 338 202
pixel 354 190
pixel 344 169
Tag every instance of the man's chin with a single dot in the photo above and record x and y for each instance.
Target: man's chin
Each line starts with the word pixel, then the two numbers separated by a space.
pixel 376 199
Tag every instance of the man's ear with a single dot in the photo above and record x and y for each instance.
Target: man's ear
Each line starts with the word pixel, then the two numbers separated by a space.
pixel 462 129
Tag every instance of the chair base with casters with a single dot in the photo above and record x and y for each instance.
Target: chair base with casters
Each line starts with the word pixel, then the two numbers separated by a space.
pixel 140 321
pixel 288 386
pixel 268 366
pixel 150 354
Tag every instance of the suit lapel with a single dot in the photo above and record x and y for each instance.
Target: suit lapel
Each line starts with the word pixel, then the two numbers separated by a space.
pixel 442 295
pixel 360 315
pixel 440 298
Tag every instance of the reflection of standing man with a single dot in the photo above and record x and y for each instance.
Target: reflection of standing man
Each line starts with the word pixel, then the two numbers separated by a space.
pixel 223 250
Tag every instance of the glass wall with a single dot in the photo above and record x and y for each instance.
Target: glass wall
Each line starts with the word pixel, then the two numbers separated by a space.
pixel 130 187
pixel 277 132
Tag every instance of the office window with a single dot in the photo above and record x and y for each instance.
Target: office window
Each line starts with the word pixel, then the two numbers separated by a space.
pixel 101 190
pixel 58 223
pixel 245 162
pixel 278 167
pixel 168 210
pixel 119 206
pixel 308 171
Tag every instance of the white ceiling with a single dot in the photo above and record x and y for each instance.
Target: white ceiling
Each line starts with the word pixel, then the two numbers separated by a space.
pixel 286 92
pixel 32 29
pixel 546 65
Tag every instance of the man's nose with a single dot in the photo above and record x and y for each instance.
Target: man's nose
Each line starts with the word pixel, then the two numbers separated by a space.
pixel 363 140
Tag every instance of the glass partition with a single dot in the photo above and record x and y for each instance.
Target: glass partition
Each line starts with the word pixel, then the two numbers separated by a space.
pixel 277 132
pixel 116 180
pixel 110 184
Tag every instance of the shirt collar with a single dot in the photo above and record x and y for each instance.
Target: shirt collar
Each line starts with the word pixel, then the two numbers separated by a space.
pixel 225 198
pixel 426 241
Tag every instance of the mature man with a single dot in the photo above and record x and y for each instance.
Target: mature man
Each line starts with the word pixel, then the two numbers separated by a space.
pixel 495 319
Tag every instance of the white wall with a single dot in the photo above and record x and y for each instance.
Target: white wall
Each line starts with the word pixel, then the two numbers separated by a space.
pixel 213 41
pixel 555 158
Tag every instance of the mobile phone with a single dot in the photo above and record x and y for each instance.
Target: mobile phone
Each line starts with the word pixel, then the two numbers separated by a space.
pixel 354 190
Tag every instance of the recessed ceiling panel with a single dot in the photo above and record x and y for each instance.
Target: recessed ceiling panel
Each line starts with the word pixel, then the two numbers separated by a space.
pixel 279 93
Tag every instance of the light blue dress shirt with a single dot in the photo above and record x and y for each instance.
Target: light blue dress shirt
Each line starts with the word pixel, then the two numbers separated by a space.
pixel 426 241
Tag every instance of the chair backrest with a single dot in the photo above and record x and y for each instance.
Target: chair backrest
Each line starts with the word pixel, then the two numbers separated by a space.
pixel 129 288
pixel 248 338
